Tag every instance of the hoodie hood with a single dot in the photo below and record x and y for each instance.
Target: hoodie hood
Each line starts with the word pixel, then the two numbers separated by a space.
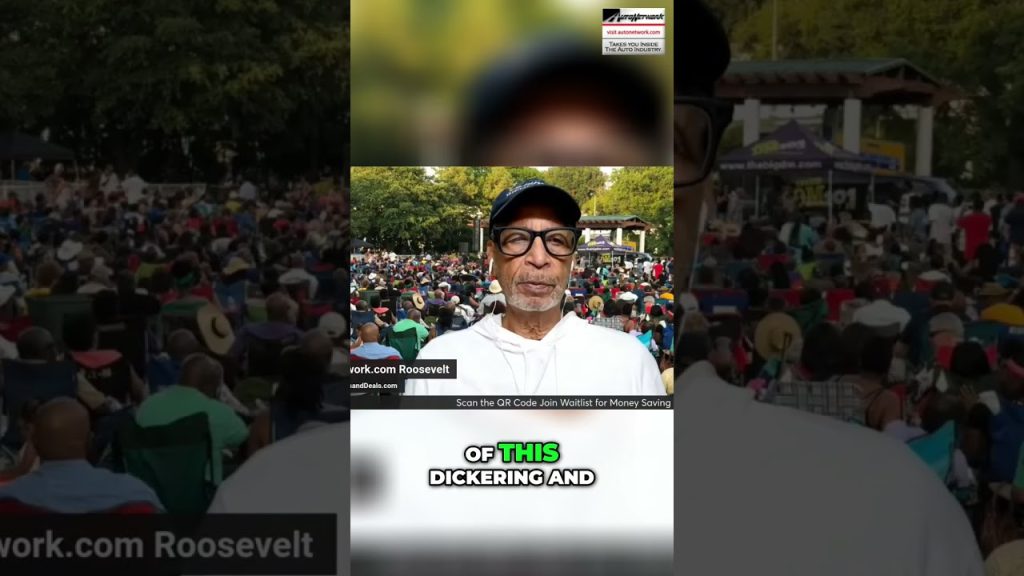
pixel 530 361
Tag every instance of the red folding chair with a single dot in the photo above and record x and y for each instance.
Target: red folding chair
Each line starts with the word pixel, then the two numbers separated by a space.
pixel 835 300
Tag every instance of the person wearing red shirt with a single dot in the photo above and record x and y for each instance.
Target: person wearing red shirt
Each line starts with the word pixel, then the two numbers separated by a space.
pixel 976 226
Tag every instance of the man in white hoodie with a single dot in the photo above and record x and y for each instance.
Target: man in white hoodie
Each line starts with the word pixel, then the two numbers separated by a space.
pixel 533 348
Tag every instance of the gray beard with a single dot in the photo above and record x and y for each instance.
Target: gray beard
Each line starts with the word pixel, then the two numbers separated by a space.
pixel 527 304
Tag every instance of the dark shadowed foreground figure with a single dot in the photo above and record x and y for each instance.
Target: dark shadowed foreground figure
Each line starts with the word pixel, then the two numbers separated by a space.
pixel 773 491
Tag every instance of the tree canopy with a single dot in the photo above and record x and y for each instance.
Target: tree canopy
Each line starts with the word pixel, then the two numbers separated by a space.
pixel 163 84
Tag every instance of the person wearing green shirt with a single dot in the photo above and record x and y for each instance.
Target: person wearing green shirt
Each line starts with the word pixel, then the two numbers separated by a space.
pixel 201 376
pixel 414 321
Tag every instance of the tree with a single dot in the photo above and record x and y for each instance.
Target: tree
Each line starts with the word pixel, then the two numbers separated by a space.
pixel 583 183
pixel 648 193
pixel 135 81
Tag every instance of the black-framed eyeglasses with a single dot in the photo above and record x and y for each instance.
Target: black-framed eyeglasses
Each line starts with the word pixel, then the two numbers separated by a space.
pixel 698 127
pixel 558 242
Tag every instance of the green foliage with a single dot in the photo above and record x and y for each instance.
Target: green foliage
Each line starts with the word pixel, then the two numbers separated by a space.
pixel 975 45
pixel 647 193
pixel 584 183
pixel 409 211
pixel 128 80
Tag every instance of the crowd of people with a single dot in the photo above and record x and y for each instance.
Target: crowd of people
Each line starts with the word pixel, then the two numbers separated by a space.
pixel 399 303
pixel 209 320
pixel 913 328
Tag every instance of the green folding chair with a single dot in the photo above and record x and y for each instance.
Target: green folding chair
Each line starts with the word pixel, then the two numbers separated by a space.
pixel 407 342
pixel 174 460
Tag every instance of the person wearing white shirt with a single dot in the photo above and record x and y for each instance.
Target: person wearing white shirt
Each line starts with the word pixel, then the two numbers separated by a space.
pixel 533 349
pixel 940 219
pixel 882 216
pixel 297 274
pixel 109 182
pixel 134 187
pixel 879 313
pixel 247 191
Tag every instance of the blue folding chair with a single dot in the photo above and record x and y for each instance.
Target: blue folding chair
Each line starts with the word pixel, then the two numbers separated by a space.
pixel 26 380
pixel 984 332
pixel 936 449
pixel 737 299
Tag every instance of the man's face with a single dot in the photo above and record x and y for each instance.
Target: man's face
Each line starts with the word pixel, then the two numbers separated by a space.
pixel 535 281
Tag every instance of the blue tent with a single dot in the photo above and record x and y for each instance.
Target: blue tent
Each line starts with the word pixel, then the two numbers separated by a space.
pixel 793 148
pixel 601 245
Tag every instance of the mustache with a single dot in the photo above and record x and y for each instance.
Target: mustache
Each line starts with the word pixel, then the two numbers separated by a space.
pixel 534 279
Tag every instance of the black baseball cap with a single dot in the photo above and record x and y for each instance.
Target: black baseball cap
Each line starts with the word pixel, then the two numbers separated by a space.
pixel 536 191
pixel 701 48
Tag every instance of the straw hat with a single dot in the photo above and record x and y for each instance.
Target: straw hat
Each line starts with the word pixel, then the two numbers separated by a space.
pixel 775 334
pixel 595 303
pixel 235 264
pixel 1003 313
pixel 992 290
pixel 494 288
pixel 1006 560
pixel 417 301
pixel 215 329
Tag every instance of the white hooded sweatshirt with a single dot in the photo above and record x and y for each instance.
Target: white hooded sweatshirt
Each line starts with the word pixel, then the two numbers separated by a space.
pixel 573 358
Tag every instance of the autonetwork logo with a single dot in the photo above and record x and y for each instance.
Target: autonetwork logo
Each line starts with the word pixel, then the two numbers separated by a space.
pixel 634 15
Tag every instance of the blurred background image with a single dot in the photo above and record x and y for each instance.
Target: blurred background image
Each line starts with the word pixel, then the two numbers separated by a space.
pixel 622 524
pixel 502 82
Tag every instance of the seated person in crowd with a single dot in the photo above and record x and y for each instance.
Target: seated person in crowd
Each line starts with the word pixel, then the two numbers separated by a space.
pixel 46 277
pixel 297 400
pixel 336 328
pixel 368 346
pixel 98 369
pixel 282 315
pixel 414 322
pixel 65 481
pixel 27 460
pixel 882 407
pixel 38 346
pixel 165 370
pixel 297 274
pixel 201 377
